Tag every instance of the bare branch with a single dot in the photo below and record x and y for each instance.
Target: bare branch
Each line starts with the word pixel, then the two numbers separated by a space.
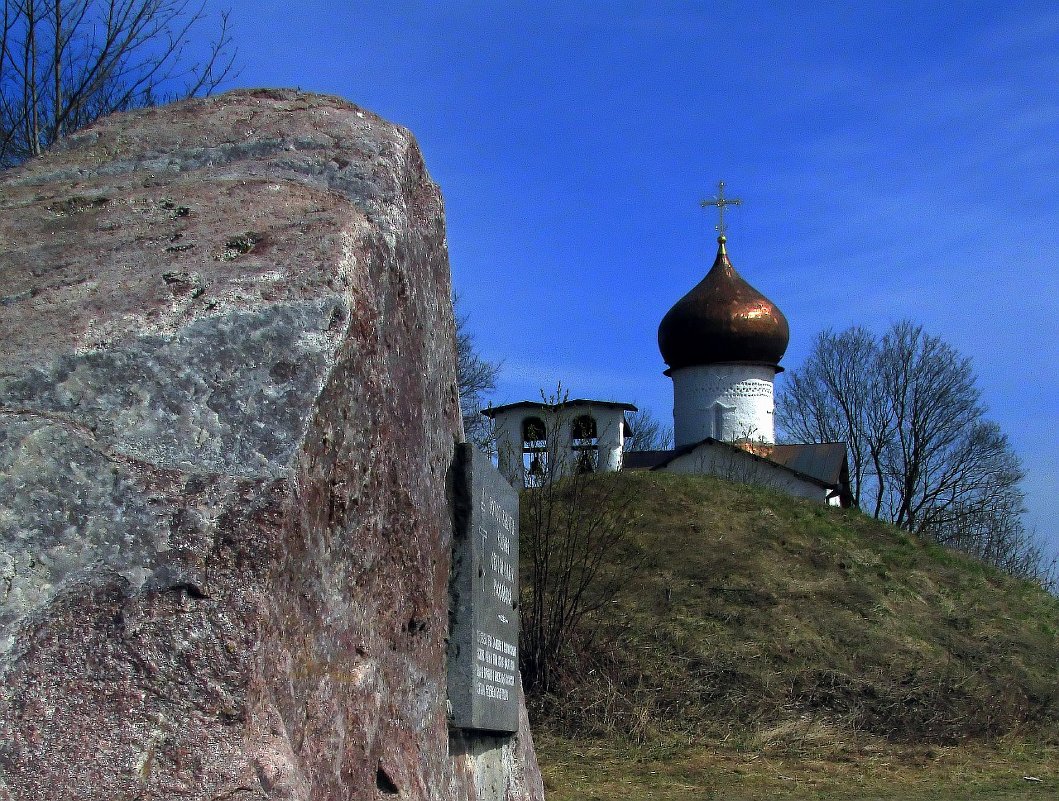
pixel 98 57
pixel 572 522
pixel 922 454
pixel 648 433
pixel 476 378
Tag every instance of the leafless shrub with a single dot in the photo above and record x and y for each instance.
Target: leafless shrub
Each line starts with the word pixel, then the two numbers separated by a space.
pixel 572 524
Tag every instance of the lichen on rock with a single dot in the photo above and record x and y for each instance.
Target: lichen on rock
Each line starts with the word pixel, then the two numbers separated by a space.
pixel 227 409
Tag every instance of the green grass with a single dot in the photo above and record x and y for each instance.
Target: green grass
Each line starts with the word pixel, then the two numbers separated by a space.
pixel 761 636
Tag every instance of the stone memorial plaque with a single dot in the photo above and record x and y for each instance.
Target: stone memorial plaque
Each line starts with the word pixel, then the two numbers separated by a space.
pixel 483 595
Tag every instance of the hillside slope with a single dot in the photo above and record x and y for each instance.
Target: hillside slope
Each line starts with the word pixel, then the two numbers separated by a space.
pixel 753 618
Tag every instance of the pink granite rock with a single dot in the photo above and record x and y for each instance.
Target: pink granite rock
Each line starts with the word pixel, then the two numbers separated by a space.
pixel 227 409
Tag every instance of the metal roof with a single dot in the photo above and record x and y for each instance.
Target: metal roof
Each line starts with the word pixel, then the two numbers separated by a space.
pixel 824 464
pixel 823 460
pixel 492 411
pixel 645 460
pixel 723 319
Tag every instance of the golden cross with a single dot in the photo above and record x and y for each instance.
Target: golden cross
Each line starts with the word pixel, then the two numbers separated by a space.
pixel 720 202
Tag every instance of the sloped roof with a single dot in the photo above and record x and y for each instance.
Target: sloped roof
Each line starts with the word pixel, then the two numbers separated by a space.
pixel 824 460
pixel 824 464
pixel 492 411
pixel 648 460
pixel 662 458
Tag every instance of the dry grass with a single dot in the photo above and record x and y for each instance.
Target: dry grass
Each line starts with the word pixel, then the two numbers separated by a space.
pixel 994 772
pixel 765 636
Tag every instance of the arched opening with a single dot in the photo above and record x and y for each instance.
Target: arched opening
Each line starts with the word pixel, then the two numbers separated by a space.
pixel 584 442
pixel 534 451
pixel 721 416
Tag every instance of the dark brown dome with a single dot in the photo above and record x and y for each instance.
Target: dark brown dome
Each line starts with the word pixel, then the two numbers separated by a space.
pixel 723 319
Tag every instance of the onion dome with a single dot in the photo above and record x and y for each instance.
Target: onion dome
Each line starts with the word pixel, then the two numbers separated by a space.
pixel 723 319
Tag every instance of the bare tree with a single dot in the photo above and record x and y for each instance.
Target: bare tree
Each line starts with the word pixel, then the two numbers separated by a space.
pixel 922 454
pixel 837 397
pixel 66 63
pixel 648 433
pixel 942 455
pixel 476 378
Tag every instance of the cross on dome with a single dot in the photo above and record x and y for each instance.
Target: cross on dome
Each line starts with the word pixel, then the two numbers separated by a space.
pixel 723 320
pixel 720 202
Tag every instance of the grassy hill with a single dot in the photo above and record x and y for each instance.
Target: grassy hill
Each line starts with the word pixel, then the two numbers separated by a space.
pixel 766 647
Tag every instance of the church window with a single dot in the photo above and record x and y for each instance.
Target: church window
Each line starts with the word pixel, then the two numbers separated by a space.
pixel 534 451
pixel 584 442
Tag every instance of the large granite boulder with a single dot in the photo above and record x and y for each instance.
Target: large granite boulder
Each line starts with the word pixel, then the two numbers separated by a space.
pixel 227 410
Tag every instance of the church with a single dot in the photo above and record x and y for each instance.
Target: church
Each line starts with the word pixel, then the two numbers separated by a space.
pixel 722 342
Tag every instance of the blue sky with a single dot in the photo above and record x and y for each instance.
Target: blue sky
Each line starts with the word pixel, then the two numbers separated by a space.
pixel 894 162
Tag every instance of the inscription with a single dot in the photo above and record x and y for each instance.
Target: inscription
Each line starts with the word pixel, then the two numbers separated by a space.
pixel 489 506
pixel 483 641
pixel 495 667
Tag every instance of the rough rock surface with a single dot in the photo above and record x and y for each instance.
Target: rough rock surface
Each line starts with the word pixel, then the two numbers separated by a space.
pixel 227 408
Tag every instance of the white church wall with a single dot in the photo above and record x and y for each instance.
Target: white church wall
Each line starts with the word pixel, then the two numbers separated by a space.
pixel 508 427
pixel 610 436
pixel 610 428
pixel 611 439
pixel 723 401
pixel 559 428
pixel 735 465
